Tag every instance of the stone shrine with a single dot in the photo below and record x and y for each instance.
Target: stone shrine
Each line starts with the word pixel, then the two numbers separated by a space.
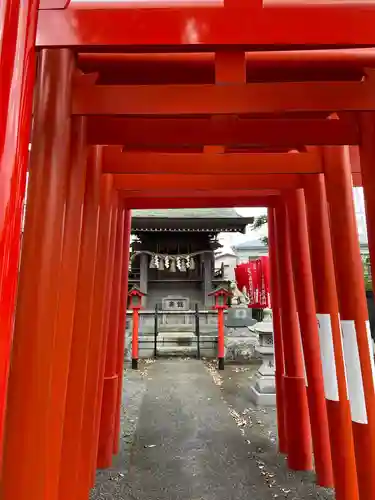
pixel 173 262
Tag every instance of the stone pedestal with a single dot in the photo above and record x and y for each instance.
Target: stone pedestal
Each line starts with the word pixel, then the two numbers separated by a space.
pixel 263 393
pixel 240 340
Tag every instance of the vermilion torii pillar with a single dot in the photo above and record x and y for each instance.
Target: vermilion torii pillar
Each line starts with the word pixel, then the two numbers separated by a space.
pixel 353 313
pixel 68 283
pixel 71 445
pixel 103 353
pixel 94 355
pixel 277 333
pixel 28 411
pixel 303 286
pixel 18 22
pixel 367 162
pixel 122 323
pixel 296 408
pixel 111 376
pixel 37 360
pixel 338 410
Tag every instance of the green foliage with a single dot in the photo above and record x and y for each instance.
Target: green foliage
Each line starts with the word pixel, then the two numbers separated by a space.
pixel 368 284
pixel 259 222
pixel 367 272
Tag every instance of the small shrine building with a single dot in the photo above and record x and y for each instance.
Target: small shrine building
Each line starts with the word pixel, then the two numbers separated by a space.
pixel 173 255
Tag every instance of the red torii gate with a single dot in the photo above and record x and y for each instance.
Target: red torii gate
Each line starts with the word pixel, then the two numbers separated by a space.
pixel 68 335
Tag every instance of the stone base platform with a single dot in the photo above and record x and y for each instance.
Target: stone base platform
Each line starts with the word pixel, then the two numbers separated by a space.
pixel 262 398
pixel 173 344
pixel 240 345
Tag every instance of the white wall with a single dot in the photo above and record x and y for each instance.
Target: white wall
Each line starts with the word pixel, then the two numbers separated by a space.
pixel 254 253
pixel 230 262
pixel 158 291
pixel 359 204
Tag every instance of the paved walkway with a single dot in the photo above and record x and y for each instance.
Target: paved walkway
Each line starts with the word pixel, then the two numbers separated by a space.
pixel 182 442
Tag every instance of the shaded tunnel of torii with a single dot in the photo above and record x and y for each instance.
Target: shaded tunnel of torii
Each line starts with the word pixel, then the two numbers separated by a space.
pixel 181 107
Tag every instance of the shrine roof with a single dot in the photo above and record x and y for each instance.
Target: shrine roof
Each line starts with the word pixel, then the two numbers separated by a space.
pixel 201 220
pixel 186 213
pixel 250 245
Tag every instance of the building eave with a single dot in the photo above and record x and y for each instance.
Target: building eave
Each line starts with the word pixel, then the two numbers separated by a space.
pixel 214 225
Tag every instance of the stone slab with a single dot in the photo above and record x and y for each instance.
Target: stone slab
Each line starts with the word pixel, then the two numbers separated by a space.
pixel 175 303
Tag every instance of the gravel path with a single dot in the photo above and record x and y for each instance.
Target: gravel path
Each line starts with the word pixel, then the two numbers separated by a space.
pixel 192 434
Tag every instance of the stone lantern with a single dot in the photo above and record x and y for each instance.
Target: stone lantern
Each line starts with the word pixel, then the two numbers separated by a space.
pixel 135 298
pixel 263 393
pixel 220 295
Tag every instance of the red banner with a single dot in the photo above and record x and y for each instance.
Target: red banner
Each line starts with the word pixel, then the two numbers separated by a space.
pixel 254 277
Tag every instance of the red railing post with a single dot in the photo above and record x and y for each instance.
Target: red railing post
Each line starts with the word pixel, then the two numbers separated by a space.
pixel 220 338
pixel 135 338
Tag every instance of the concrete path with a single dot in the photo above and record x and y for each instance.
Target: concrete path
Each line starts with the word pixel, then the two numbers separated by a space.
pixel 181 442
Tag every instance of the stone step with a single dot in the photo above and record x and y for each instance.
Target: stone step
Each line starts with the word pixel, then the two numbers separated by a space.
pixel 186 328
pixel 177 350
pixel 177 328
pixel 176 340
pixel 176 335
